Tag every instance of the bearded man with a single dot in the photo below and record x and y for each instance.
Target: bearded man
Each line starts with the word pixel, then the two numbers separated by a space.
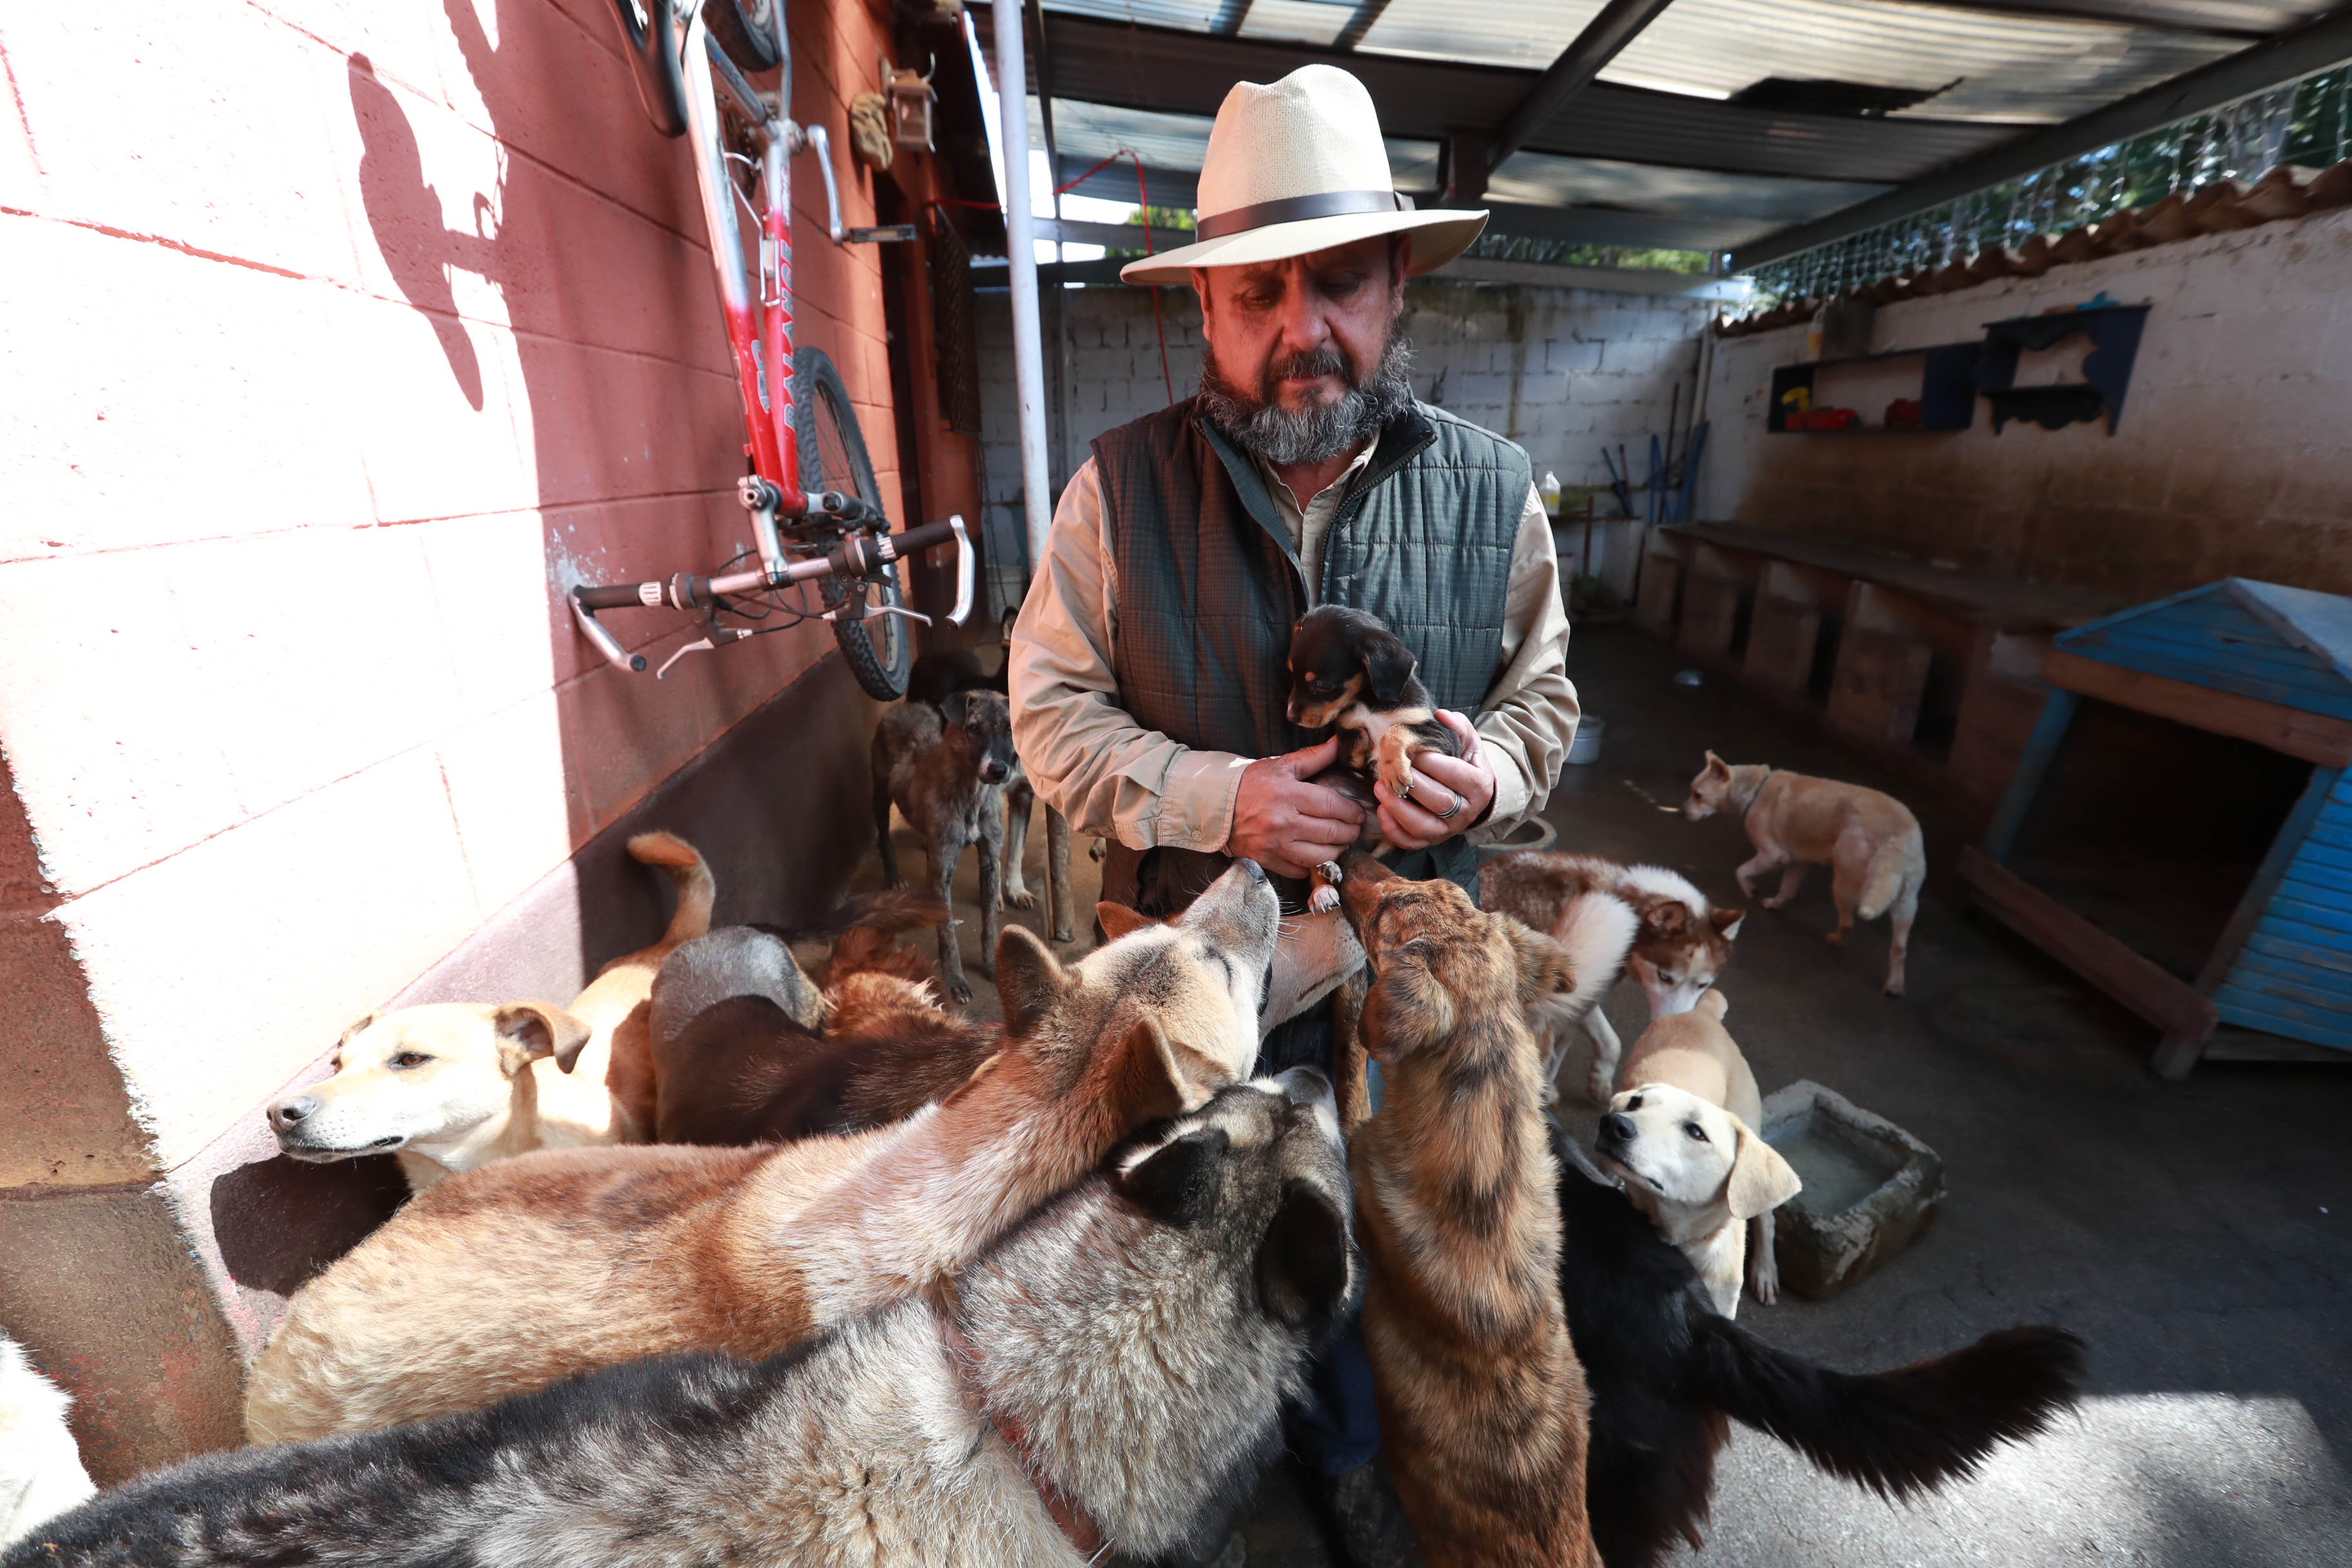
pixel 1147 670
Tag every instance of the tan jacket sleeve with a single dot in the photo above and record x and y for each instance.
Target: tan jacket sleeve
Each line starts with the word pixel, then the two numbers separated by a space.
pixel 1087 757
pixel 1529 714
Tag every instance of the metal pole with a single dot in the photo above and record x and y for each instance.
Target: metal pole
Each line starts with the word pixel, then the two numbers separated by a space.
pixel 1029 372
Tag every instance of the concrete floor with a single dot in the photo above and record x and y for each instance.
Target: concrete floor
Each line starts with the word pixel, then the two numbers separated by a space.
pixel 2199 1234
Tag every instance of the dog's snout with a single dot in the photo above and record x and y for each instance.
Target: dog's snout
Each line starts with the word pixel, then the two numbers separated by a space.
pixel 1616 1128
pixel 1255 872
pixel 993 771
pixel 1307 1086
pixel 288 1114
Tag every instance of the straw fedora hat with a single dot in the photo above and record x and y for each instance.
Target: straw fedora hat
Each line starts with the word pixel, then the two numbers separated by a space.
pixel 1297 167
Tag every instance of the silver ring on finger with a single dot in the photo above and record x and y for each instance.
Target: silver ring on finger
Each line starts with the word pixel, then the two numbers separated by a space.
pixel 1450 814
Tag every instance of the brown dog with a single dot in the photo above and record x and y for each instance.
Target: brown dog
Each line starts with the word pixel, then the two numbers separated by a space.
pixel 1482 1400
pixel 453 1084
pixel 1870 841
pixel 534 1269
pixel 947 769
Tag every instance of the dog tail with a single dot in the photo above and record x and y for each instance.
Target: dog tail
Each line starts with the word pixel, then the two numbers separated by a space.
pixel 1899 1433
pixel 1597 929
pixel 695 891
pixel 1884 881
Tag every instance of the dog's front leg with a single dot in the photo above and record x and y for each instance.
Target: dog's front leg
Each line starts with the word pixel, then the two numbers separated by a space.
pixel 1763 861
pixel 1606 1049
pixel 1019 798
pixel 1763 1266
pixel 891 876
pixel 946 851
pixel 1792 877
pixel 991 829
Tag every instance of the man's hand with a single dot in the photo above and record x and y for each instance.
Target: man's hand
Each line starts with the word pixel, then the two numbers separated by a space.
pixel 1286 823
pixel 1468 780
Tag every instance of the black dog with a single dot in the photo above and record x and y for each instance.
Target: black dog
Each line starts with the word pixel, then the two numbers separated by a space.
pixel 940 675
pixel 1668 1375
pixel 1348 670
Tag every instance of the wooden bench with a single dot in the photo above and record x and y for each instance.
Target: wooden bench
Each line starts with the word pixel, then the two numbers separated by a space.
pixel 1934 673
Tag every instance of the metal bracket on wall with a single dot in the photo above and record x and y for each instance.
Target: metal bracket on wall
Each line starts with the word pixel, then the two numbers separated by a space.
pixel 888 234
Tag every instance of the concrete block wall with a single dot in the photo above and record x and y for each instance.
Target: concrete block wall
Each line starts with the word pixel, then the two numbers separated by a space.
pixel 1560 371
pixel 2230 459
pixel 342 340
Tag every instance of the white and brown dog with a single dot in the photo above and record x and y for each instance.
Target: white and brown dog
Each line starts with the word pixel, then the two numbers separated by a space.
pixel 1870 841
pixel 1681 943
pixel 449 1085
pixel 1685 1134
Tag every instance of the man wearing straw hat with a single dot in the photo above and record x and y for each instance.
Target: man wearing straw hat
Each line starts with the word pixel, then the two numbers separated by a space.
pixel 1148 667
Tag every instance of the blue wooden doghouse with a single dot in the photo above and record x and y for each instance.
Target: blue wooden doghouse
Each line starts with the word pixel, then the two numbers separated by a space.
pixel 2179 828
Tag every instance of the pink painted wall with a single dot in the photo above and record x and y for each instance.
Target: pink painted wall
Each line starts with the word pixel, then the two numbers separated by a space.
pixel 341 338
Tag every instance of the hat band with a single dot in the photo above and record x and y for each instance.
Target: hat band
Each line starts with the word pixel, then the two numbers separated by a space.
pixel 1295 209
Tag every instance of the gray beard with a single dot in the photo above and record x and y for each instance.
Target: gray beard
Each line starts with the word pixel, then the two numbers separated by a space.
pixel 1285 436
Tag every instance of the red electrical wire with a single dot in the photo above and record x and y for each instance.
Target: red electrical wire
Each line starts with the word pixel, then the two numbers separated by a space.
pixel 1143 192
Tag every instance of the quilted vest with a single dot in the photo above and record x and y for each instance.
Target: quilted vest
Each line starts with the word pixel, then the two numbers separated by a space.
pixel 1209 587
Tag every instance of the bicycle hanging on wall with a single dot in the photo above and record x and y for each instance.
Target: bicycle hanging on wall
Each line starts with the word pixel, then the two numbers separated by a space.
pixel 815 506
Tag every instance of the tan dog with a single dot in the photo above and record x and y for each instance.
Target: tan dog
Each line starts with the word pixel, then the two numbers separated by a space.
pixel 453 1084
pixel 1870 841
pixel 1482 1400
pixel 533 1268
pixel 1684 1133
pixel 1680 945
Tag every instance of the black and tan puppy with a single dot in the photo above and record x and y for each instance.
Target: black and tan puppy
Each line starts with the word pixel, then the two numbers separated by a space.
pixel 940 675
pixel 1350 672
pixel 945 768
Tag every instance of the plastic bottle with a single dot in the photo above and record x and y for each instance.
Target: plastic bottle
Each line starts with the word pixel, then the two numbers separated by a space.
pixel 1551 492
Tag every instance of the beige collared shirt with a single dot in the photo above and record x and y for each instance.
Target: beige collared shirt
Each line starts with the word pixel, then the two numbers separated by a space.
pixel 1115 779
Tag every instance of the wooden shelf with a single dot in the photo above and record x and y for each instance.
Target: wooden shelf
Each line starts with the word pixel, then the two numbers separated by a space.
pixel 1946 392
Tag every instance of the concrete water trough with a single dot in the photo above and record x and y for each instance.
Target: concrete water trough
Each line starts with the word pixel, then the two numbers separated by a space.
pixel 1871 1188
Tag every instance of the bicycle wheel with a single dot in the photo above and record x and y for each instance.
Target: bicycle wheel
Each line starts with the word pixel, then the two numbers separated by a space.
pixel 833 458
pixel 746 29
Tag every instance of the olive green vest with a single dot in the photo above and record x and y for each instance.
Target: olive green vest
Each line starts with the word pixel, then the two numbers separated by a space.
pixel 1209 587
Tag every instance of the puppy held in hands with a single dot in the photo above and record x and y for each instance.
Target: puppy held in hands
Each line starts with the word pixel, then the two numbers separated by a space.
pixel 1683 1133
pixel 1350 672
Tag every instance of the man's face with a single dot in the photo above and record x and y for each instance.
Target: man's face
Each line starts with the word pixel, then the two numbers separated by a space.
pixel 1298 334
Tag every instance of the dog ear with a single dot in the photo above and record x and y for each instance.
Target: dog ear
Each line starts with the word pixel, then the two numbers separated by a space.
pixel 1545 967
pixel 1760 1180
pixel 1715 767
pixel 1117 921
pixel 1142 1081
pixel 1303 1265
pixel 1388 665
pixel 530 1030
pixel 352 1033
pixel 1666 917
pixel 1028 977
pixel 1725 922
pixel 1406 1007
pixel 1176 1183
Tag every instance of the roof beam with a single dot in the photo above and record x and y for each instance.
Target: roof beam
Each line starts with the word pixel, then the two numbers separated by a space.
pixel 1618 25
pixel 2314 46
pixel 1231 17
pixel 1367 13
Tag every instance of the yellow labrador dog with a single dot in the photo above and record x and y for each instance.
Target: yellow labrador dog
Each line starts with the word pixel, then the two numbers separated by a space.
pixel 1682 1131
pixel 453 1084
pixel 1870 841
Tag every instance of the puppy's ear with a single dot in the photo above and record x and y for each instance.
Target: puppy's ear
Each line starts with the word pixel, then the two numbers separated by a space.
pixel 1140 1078
pixel 1117 921
pixel 1725 922
pixel 352 1033
pixel 1303 1265
pixel 1029 978
pixel 1716 767
pixel 1760 1180
pixel 956 707
pixel 1178 1182
pixel 1406 1007
pixel 530 1030
pixel 1388 665
pixel 1667 917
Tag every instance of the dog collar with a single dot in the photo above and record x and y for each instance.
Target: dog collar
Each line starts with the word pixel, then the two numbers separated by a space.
pixel 1085 1536
pixel 1749 804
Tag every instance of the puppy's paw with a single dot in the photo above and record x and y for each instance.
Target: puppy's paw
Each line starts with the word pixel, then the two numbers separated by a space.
pixel 1019 899
pixel 1764 1284
pixel 958 989
pixel 1323 900
pixel 1836 938
pixel 1597 1088
pixel 1893 987
pixel 892 877
pixel 1777 901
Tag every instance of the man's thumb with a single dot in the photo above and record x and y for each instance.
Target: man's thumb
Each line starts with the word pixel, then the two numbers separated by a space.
pixel 1314 759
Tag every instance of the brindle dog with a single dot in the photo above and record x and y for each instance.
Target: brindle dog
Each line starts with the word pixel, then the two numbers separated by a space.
pixel 1482 1400
pixel 946 769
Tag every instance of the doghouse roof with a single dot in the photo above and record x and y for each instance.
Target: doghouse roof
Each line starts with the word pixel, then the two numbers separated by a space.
pixel 2263 640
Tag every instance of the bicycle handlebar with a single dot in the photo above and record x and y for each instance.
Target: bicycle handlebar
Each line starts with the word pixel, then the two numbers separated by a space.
pixel 857 557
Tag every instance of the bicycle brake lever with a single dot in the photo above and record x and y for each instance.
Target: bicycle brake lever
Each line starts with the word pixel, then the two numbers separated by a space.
pixel 702 646
pixel 883 610
pixel 817 139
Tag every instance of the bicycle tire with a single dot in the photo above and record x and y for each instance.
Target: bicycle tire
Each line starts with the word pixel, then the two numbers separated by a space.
pixel 833 458
pixel 746 31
